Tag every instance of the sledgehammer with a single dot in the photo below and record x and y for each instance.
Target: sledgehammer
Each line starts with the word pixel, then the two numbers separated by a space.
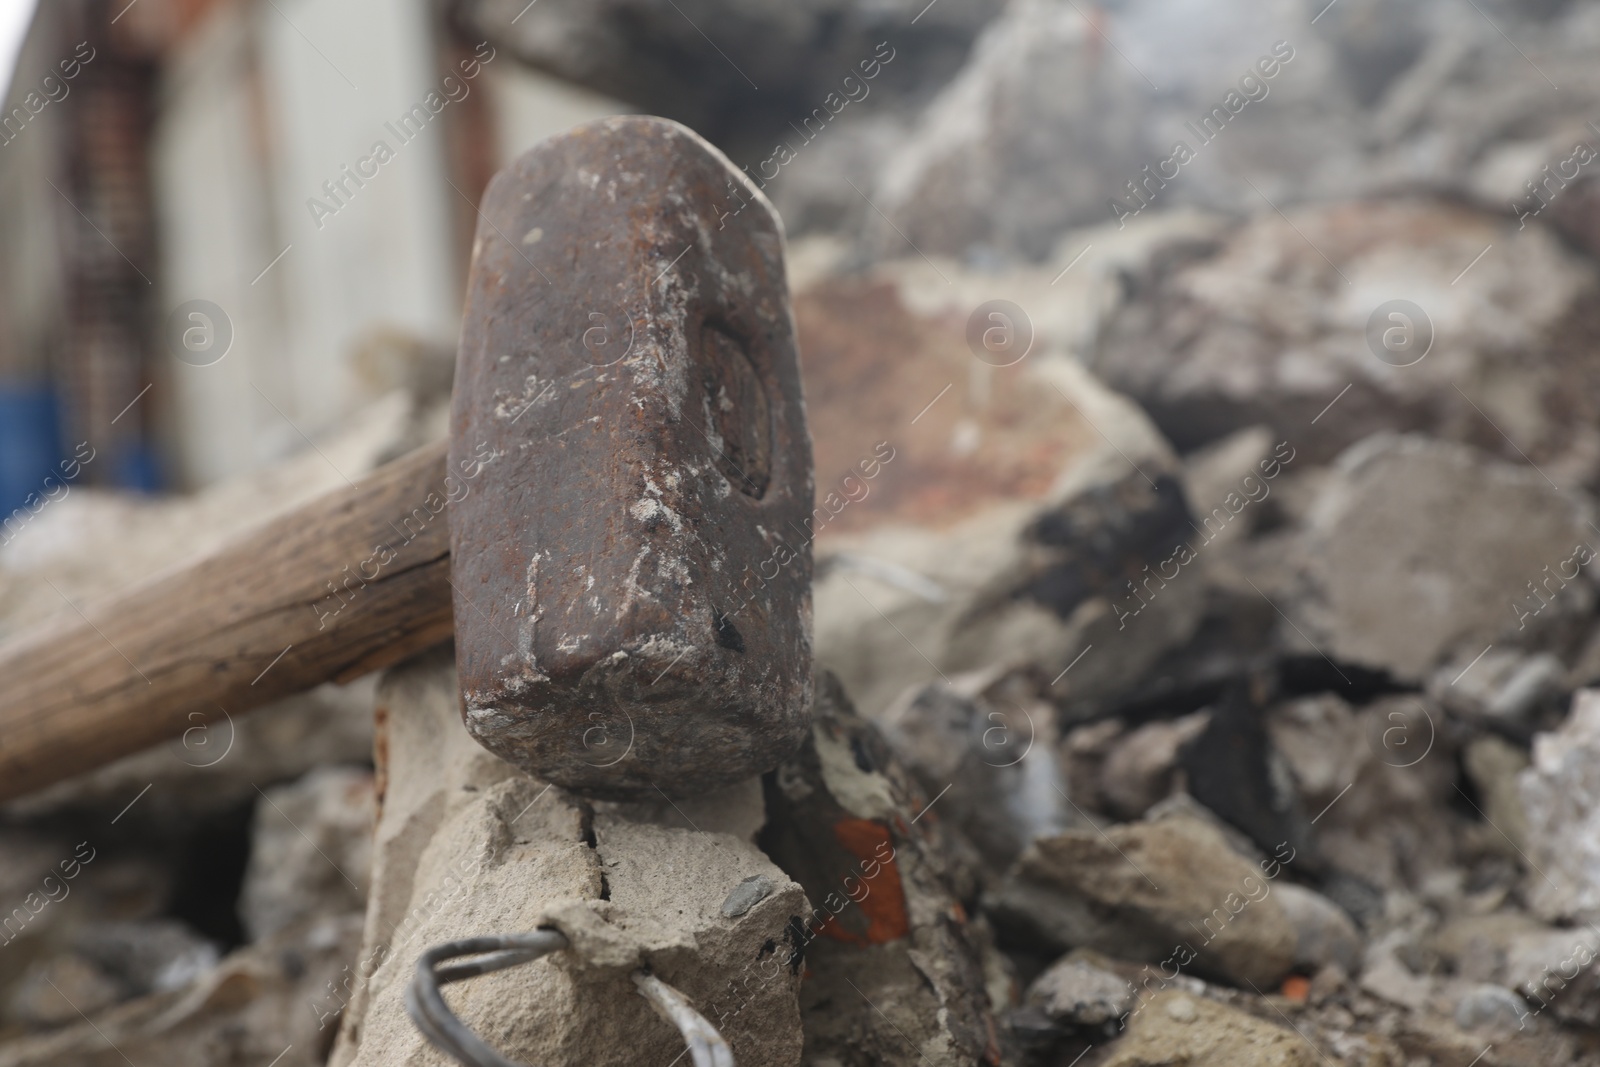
pixel 619 521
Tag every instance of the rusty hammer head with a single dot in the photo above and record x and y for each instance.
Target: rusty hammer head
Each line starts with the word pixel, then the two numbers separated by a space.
pixel 633 579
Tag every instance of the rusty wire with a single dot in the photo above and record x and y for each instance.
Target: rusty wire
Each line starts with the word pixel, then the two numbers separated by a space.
pixel 426 1005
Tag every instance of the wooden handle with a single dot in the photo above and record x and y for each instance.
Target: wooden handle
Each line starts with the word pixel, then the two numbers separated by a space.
pixel 356 580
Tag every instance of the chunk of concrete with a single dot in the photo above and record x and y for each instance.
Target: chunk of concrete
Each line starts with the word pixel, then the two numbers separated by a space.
pixel 1075 991
pixel 1001 523
pixel 1173 1027
pixel 1141 768
pixel 1560 796
pixel 1261 328
pixel 1420 551
pixel 468 845
pixel 1168 892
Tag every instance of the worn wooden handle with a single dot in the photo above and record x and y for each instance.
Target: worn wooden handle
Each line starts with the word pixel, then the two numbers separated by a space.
pixel 353 581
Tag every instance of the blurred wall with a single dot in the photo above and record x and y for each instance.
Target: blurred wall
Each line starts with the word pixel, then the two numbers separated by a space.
pixel 312 172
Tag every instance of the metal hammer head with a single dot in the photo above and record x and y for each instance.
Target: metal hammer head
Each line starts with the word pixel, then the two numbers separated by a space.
pixel 633 578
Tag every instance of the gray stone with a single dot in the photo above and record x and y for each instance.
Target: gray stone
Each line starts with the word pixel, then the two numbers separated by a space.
pixel 1556 970
pixel 1141 768
pixel 1221 467
pixel 150 956
pixel 1494 764
pixel 54 991
pixel 1504 686
pixel 1033 117
pixel 1490 1007
pixel 746 895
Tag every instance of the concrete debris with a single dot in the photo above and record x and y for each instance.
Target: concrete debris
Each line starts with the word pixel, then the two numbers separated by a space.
pixel 1078 991
pixel 1034 85
pixel 1265 330
pixel 1168 893
pixel 1142 766
pixel 1493 766
pixel 1204 527
pixel 1421 551
pixel 897 967
pixel 1504 687
pixel 468 845
pixel 311 849
pixel 996 522
pixel 991 759
pixel 253 1007
pixel 1227 465
pixel 1379 782
pixel 1558 794
pixel 1175 1027
pixel 1324 934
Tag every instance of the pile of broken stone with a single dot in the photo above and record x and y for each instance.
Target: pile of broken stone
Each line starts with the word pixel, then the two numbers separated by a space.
pixel 1203 681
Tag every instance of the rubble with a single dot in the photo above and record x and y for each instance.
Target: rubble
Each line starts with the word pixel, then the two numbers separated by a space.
pixel 1324 933
pixel 989 757
pixel 1421 551
pixel 1380 783
pixel 468 845
pixel 1142 766
pixel 1218 637
pixel 1265 330
pixel 1557 794
pixel 1077 990
pixel 247 1010
pixel 1169 892
pixel 802 55
pixel 1506 687
pixel 1000 526
pixel 1175 1026
pixel 900 977
pixel 311 850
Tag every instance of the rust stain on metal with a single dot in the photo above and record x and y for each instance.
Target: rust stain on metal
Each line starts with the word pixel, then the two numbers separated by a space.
pixel 633 603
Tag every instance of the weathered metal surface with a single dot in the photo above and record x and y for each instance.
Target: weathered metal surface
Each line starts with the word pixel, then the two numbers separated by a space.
pixel 633 604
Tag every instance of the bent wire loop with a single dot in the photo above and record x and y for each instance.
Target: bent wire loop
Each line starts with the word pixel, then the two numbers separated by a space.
pixel 428 1010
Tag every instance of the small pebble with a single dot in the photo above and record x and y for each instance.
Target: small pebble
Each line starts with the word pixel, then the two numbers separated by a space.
pixel 746 895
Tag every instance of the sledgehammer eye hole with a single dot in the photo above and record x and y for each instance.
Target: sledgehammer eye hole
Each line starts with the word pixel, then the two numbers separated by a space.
pixel 737 413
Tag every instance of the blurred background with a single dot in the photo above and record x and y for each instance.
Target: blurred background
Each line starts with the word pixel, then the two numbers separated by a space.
pixel 188 158
pixel 1086 270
